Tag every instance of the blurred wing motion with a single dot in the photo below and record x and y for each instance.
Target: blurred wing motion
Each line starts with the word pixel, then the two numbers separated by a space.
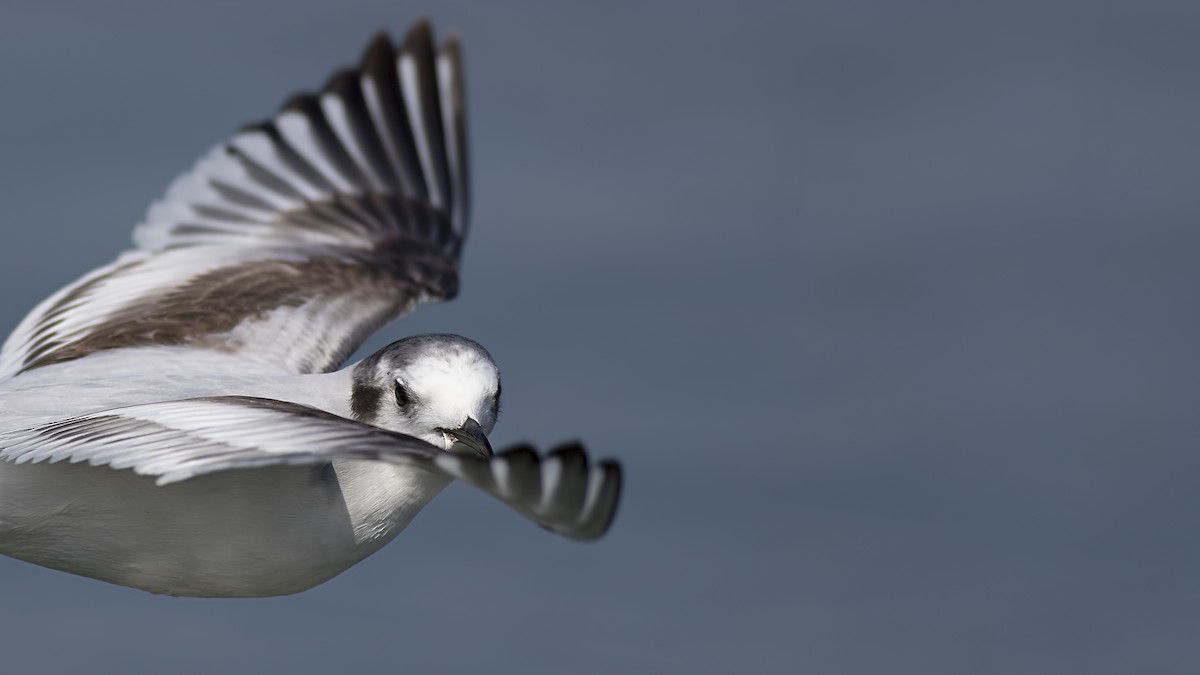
pixel 178 440
pixel 298 238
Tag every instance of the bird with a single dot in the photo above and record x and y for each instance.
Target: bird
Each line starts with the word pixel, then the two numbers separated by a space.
pixel 180 420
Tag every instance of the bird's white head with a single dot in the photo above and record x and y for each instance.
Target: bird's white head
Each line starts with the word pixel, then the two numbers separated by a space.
pixel 441 388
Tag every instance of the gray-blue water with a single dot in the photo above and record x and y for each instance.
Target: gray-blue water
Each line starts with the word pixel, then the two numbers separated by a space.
pixel 889 310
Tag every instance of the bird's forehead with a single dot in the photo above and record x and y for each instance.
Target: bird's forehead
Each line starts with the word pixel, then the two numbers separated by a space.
pixel 465 367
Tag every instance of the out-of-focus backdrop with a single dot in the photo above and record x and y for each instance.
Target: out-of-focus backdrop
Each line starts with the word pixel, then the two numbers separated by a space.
pixel 889 309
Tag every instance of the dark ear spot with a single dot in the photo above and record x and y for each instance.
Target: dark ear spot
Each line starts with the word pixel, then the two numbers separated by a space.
pixel 365 395
pixel 364 401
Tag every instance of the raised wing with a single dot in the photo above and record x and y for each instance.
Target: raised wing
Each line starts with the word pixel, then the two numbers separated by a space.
pixel 177 440
pixel 298 238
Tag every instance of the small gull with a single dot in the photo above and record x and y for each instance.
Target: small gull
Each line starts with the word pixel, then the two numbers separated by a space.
pixel 176 420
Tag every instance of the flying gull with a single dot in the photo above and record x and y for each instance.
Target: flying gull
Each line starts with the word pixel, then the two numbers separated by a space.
pixel 177 421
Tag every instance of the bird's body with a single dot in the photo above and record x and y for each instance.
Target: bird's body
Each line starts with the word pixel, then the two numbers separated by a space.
pixel 176 422
pixel 269 531
pixel 264 532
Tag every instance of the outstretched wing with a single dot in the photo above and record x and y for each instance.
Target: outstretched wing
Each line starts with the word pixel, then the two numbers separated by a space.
pixel 299 237
pixel 177 440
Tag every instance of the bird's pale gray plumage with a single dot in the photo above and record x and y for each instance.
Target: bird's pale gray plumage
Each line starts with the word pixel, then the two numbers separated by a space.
pixel 175 421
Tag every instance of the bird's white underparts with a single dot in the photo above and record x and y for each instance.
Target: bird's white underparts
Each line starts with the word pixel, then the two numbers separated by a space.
pixel 177 421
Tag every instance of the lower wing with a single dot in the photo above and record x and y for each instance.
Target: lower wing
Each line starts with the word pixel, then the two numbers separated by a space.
pixel 178 440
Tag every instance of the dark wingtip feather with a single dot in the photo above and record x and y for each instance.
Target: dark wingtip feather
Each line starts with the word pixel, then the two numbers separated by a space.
pixel 455 127
pixel 303 102
pixel 612 471
pixel 379 52
pixel 571 453
pixel 419 36
pixel 521 449
pixel 340 81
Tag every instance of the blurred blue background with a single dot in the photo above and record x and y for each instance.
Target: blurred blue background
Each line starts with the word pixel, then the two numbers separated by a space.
pixel 889 310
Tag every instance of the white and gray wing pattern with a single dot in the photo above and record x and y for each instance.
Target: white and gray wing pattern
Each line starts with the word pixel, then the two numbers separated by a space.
pixel 297 238
pixel 178 440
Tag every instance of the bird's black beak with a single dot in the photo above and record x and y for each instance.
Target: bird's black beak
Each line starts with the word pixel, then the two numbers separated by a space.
pixel 470 435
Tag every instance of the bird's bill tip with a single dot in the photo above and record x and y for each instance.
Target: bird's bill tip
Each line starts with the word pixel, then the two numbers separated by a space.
pixel 469 439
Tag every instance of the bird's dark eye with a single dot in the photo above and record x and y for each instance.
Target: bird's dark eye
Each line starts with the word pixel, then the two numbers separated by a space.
pixel 496 396
pixel 403 398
